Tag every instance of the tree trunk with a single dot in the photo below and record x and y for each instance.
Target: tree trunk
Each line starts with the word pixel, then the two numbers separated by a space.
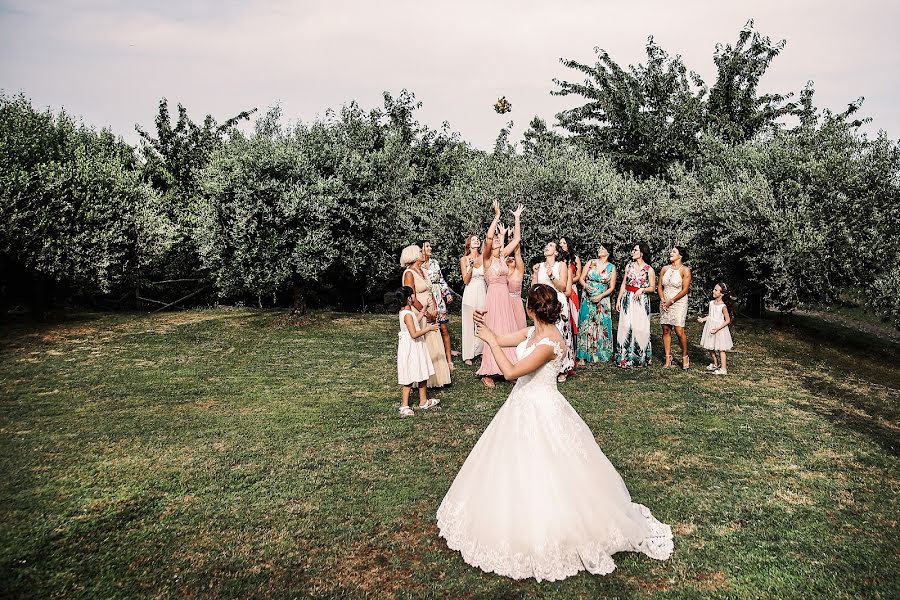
pixel 298 301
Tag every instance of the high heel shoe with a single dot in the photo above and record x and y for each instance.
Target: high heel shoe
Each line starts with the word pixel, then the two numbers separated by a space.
pixel 685 363
pixel 668 362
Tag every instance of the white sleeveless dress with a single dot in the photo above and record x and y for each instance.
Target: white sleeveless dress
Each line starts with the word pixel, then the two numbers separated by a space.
pixel 474 298
pixel 564 324
pixel 677 313
pixel 537 497
pixel 413 362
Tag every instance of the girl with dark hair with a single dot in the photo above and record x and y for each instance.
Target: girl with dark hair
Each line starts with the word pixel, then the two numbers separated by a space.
pixel 536 496
pixel 516 274
pixel 633 336
pixel 414 365
pixel 674 283
pixel 471 266
pixel 716 336
pixel 598 279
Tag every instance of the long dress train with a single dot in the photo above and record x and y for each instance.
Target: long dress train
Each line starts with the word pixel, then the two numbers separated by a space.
pixel 537 497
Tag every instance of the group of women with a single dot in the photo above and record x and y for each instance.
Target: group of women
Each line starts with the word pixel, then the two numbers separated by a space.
pixel 493 273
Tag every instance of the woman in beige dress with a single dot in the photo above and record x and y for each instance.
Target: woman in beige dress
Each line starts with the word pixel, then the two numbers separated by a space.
pixel 674 283
pixel 418 280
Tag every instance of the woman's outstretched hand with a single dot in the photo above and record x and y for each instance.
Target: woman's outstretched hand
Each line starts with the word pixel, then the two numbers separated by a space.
pixel 496 206
pixel 518 212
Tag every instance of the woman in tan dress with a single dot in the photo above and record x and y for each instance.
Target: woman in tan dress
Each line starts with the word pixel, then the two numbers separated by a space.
pixel 414 277
pixel 674 283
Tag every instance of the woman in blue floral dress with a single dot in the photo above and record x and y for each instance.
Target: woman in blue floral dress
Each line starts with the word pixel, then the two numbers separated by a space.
pixel 633 336
pixel 598 280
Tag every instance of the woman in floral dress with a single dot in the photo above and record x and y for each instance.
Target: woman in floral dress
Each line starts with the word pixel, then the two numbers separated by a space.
pixel 633 305
pixel 598 279
pixel 442 294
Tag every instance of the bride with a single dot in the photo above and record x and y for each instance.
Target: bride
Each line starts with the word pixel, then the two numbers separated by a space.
pixel 537 497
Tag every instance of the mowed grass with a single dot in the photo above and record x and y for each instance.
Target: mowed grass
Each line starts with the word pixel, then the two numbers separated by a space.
pixel 235 453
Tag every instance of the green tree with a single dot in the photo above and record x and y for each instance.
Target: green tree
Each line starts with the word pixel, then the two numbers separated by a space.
pixel 68 201
pixel 734 110
pixel 646 117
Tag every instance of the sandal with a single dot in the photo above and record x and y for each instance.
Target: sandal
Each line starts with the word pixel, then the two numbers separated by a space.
pixel 561 378
pixel 406 411
pixel 488 382
pixel 668 362
pixel 468 362
pixel 712 367
pixel 720 372
pixel 685 362
pixel 431 403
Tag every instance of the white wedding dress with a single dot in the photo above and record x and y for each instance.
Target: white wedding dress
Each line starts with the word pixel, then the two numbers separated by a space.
pixel 537 497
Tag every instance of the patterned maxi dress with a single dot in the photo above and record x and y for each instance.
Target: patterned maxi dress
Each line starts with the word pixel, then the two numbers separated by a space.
pixel 595 339
pixel 439 289
pixel 633 336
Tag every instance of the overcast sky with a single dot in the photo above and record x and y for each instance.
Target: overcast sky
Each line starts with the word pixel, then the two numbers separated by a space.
pixel 110 62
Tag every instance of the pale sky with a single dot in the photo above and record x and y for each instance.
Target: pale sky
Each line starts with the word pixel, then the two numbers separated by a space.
pixel 109 62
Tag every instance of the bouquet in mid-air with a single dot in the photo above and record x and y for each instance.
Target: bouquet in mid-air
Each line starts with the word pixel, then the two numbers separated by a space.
pixel 502 106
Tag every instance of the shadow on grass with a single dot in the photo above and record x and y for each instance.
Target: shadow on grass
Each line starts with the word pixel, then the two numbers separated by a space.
pixel 855 361
pixel 855 412
pixel 817 331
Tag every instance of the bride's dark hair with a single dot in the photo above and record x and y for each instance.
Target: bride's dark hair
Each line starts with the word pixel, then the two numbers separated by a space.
pixel 544 304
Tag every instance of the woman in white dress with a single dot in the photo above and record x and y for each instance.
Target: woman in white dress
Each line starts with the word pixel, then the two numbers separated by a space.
pixel 674 284
pixel 537 497
pixel 557 275
pixel 474 295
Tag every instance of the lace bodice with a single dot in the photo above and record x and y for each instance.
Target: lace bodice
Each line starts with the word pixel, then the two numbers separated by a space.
pixel 477 273
pixel 546 374
pixel 672 282
pixel 496 274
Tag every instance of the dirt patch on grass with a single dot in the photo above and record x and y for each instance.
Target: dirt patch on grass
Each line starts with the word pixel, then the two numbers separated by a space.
pixel 790 498
pixel 384 564
pixel 712 580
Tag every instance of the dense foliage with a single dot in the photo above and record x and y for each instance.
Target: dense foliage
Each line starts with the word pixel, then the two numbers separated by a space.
pixel 318 212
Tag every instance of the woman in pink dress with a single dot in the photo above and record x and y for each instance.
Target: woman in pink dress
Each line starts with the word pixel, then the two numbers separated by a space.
pixel 514 280
pixel 499 314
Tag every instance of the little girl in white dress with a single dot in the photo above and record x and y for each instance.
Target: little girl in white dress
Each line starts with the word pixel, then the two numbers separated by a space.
pixel 414 365
pixel 716 336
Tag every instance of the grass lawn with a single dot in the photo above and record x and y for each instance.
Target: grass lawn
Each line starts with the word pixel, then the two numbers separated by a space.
pixel 232 453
